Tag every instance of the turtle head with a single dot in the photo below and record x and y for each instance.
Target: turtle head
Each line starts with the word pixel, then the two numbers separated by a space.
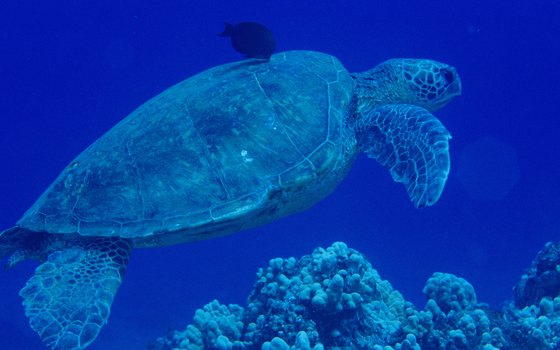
pixel 395 126
pixel 421 82
pixel 431 84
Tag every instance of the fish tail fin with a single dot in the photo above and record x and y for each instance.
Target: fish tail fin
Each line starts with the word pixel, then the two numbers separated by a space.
pixel 228 30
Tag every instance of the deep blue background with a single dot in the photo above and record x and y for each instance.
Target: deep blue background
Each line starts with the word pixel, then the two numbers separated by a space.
pixel 69 70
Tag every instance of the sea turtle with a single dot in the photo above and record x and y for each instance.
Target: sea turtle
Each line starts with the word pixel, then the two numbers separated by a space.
pixel 233 147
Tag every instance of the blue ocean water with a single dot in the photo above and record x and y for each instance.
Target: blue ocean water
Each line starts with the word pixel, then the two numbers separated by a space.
pixel 71 69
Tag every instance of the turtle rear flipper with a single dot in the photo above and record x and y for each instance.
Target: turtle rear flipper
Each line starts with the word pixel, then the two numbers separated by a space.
pixel 411 143
pixel 69 298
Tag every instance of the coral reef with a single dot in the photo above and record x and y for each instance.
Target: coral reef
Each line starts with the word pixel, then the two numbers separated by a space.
pixel 335 299
pixel 542 279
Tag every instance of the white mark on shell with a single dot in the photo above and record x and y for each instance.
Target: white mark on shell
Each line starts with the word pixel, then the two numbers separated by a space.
pixel 246 158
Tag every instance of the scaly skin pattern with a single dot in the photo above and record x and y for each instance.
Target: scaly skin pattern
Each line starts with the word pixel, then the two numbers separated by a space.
pixel 69 298
pixel 422 162
pixel 420 82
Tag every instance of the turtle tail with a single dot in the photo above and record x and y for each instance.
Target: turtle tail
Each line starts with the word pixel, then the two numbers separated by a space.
pixel 20 244
pixel 10 240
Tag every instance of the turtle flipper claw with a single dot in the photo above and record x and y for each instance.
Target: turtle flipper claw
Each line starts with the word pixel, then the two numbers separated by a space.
pixel 68 300
pixel 412 144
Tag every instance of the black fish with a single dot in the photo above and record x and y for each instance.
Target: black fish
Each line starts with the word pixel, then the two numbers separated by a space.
pixel 251 39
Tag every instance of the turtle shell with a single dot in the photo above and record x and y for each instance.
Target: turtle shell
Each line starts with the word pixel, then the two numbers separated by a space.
pixel 233 147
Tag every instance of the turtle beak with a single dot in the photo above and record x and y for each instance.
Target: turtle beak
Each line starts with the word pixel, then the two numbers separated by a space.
pixel 454 88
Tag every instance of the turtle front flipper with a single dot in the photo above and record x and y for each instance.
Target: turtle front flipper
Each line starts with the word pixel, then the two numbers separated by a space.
pixel 69 298
pixel 412 144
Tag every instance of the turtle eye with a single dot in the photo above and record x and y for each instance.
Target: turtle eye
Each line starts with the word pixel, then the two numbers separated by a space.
pixel 448 75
